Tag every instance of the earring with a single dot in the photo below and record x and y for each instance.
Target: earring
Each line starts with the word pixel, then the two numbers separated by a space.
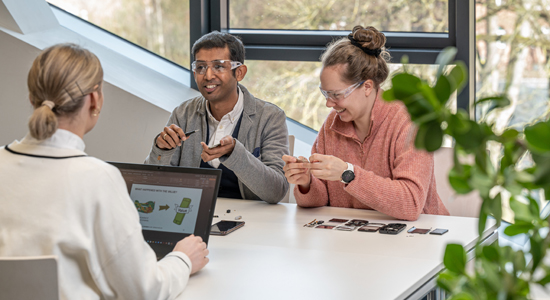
pixel 96 112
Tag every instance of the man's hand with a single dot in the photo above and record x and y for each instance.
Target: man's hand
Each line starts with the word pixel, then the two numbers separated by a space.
pixel 227 144
pixel 171 137
pixel 195 249
pixel 327 167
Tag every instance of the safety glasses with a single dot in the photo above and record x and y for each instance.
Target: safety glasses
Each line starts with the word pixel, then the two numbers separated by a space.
pixel 217 66
pixel 339 95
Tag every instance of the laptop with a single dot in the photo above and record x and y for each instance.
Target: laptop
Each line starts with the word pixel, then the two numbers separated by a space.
pixel 172 202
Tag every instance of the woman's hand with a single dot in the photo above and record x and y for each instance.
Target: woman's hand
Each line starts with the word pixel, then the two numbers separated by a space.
pixel 195 249
pixel 327 167
pixel 297 172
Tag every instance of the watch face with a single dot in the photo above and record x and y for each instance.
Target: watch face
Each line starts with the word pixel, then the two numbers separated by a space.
pixel 348 176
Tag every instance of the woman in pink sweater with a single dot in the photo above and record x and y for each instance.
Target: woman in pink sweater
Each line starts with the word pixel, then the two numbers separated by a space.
pixel 364 155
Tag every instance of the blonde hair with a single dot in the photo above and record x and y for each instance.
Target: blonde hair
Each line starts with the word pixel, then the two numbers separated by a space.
pixel 360 65
pixel 63 74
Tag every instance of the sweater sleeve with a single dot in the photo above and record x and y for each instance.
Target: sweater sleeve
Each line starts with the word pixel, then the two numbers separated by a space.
pixel 128 268
pixel 318 192
pixel 402 196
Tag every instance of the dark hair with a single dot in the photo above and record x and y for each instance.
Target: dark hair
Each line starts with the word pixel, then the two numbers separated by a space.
pixel 216 39
pixel 354 53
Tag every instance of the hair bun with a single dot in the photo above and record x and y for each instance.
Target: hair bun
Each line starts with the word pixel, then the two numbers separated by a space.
pixel 369 37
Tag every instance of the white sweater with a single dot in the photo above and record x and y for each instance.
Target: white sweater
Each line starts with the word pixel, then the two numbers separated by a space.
pixel 79 210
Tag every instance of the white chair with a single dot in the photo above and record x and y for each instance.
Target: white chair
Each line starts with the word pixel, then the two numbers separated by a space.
pixel 458 205
pixel 291 139
pixel 26 278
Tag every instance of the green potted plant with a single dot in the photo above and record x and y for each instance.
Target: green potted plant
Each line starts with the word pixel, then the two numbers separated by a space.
pixel 498 272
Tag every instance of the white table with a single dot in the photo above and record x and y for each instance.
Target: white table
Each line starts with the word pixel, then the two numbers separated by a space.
pixel 274 257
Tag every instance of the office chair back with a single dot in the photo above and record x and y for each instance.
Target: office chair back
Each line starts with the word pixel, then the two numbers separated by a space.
pixel 29 278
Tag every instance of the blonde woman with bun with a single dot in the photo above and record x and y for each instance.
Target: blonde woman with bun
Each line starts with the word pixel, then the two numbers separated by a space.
pixel 56 200
pixel 364 155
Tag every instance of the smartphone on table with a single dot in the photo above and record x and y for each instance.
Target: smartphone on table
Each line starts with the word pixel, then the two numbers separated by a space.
pixel 225 227
pixel 371 227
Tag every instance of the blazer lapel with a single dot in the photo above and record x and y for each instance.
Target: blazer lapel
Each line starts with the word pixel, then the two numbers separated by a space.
pixel 249 110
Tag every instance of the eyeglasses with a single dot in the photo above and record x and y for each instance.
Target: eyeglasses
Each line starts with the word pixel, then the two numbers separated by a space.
pixel 217 66
pixel 339 95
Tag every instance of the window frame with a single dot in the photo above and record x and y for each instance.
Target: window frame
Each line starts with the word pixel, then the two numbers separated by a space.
pixel 308 45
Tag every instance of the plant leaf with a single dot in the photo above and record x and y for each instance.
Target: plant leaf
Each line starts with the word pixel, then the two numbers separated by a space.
pixel 388 95
pixel 442 89
pixel 537 250
pixel 444 58
pixel 458 76
pixel 497 208
pixel 420 136
pixel 498 101
pixel 429 94
pixel 405 85
pixel 522 211
pixel 447 281
pixel 472 138
pixel 461 296
pixel 459 178
pixel 459 122
pixel 510 134
pixel 538 137
pixel 482 222
pixel 518 228
pixel 519 261
pixel 455 258
pixel 491 253
pixel 434 137
pixel 544 281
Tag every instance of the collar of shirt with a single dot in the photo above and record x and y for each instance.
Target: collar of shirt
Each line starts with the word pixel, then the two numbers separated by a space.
pixel 60 139
pixel 224 127
pixel 61 143
pixel 232 116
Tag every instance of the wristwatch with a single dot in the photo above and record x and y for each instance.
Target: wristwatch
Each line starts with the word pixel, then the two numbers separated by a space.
pixel 348 174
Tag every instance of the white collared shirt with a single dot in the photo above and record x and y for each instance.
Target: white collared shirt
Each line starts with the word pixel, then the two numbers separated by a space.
pixel 224 127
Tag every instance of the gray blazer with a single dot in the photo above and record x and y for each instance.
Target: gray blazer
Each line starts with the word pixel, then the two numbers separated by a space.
pixel 257 157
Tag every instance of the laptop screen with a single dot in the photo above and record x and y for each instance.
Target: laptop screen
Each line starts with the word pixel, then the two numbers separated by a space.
pixel 172 202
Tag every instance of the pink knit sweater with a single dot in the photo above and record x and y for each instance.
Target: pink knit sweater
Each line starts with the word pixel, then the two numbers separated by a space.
pixel 391 176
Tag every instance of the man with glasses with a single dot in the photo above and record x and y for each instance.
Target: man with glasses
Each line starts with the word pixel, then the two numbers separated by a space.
pixel 243 136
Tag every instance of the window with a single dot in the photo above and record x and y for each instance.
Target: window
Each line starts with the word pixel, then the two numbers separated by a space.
pixel 285 38
pixel 512 58
pixel 403 15
pixel 294 87
pixel 160 26
pixel 512 44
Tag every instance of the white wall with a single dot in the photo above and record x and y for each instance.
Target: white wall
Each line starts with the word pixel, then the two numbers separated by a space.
pixel 126 127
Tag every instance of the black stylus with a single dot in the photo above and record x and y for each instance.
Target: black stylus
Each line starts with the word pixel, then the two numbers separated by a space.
pixel 187 134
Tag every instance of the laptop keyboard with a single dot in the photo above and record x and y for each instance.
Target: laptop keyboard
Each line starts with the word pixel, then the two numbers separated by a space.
pixel 161 243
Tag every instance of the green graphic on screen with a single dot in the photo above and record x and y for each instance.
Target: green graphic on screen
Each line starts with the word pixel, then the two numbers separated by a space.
pixel 146 207
pixel 182 210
